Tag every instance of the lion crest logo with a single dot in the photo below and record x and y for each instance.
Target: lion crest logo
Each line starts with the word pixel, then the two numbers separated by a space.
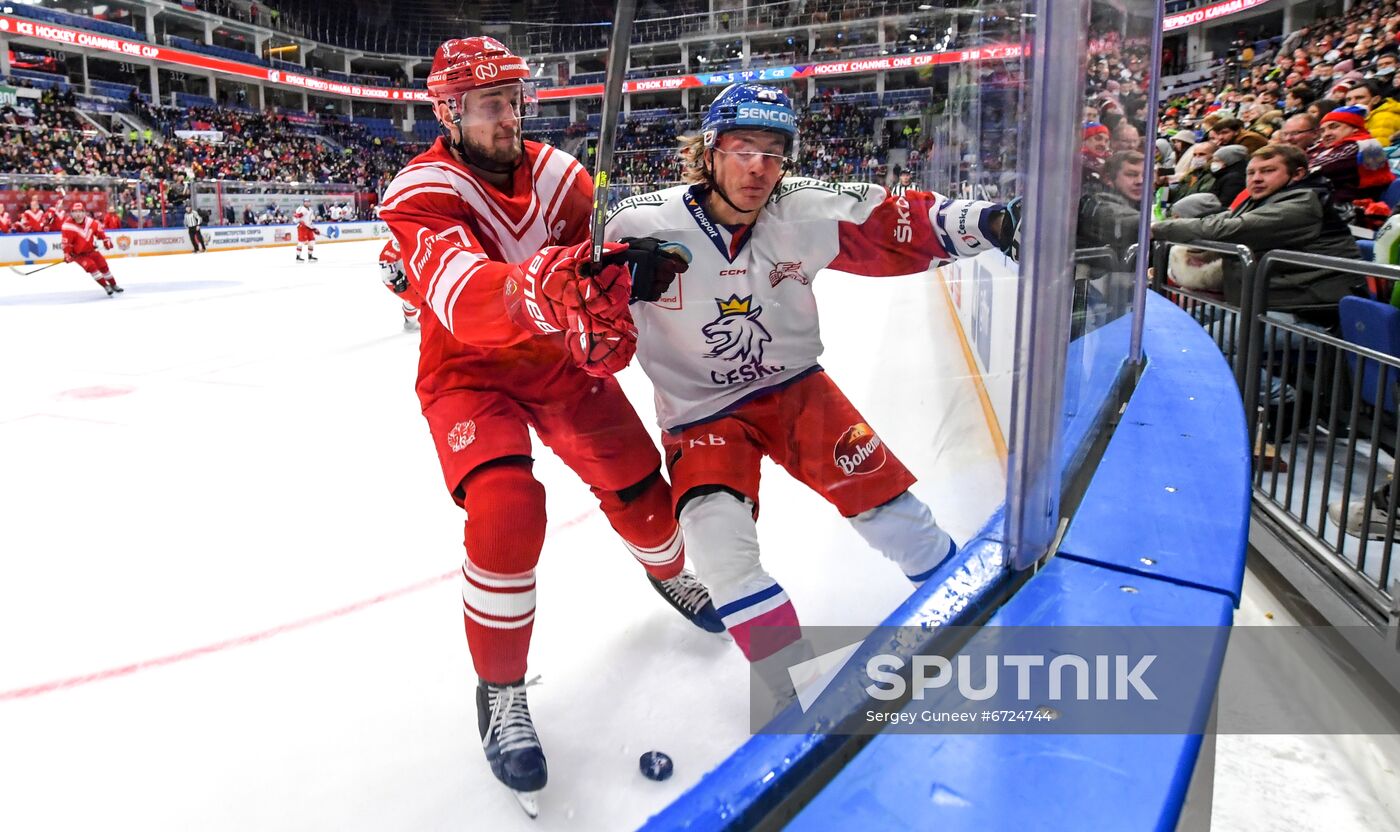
pixel 737 334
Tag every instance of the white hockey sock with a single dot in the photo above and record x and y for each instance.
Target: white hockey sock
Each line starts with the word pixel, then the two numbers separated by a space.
pixel 904 531
pixel 721 542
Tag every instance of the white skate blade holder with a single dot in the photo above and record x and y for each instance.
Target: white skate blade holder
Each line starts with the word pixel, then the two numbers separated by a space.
pixel 529 802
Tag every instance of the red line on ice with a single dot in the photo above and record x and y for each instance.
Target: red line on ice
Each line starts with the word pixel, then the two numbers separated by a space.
pixel 251 638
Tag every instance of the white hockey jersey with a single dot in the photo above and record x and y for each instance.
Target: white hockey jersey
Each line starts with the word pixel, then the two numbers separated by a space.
pixel 303 216
pixel 743 319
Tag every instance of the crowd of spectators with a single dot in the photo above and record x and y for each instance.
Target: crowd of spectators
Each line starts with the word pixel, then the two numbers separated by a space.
pixel 1291 144
pixel 49 139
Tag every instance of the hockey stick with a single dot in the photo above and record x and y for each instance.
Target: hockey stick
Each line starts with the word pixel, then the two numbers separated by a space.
pixel 36 271
pixel 621 36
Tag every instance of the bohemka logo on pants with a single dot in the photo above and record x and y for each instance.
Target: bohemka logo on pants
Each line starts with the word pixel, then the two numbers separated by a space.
pixel 859 451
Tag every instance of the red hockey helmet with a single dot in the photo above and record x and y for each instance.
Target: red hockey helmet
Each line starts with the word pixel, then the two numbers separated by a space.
pixel 462 64
pixel 465 64
pixel 78 206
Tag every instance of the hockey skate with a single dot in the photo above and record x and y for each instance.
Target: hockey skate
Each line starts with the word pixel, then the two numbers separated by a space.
pixel 108 289
pixel 691 599
pixel 410 325
pixel 311 257
pixel 509 739
pixel 300 259
pixel 116 288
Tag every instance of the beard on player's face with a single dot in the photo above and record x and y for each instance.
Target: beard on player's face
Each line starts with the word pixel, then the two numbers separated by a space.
pixel 503 150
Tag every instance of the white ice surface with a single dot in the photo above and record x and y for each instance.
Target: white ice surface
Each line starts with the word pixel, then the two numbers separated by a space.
pixel 232 449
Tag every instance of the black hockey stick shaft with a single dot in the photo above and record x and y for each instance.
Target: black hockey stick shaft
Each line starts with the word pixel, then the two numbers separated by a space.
pixel 612 106
pixel 36 271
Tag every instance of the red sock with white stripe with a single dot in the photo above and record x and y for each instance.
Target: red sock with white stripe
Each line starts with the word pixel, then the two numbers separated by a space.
pixel 642 515
pixel 504 536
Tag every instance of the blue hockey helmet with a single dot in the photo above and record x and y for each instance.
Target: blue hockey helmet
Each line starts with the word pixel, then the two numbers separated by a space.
pixel 751 107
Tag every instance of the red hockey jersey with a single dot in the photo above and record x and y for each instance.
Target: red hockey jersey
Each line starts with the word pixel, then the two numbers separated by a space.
pixel 460 238
pixel 81 238
pixel 34 221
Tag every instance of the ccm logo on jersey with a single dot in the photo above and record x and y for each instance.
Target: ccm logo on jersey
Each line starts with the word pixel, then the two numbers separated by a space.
pixel 903 228
pixel 732 272
pixel 859 451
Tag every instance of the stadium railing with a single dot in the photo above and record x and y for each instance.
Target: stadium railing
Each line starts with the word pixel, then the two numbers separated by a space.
pixel 1322 417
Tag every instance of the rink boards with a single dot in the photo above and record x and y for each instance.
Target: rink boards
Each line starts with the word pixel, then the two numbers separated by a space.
pixel 1159 540
pixel 25 249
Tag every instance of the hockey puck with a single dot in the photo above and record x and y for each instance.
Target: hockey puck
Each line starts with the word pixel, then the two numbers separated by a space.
pixel 655 765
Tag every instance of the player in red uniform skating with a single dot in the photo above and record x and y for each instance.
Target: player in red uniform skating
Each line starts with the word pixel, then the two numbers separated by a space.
pixel 80 236
pixel 493 232
pixel 36 218
pixel 306 232
pixel 391 269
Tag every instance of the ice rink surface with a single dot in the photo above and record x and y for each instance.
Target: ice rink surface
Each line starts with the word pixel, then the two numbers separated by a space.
pixel 228 566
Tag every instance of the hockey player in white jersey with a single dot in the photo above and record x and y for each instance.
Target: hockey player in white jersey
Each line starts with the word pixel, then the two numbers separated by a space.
pixel 732 348
pixel 306 232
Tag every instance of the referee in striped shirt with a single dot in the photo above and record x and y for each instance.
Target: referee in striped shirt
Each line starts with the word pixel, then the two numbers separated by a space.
pixel 898 188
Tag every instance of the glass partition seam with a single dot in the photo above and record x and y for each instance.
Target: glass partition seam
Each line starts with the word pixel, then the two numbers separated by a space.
pixel 1042 331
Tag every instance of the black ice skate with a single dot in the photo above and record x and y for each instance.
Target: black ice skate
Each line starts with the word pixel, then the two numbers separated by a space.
pixel 116 288
pixel 300 259
pixel 509 739
pixel 311 257
pixel 691 599
pixel 106 288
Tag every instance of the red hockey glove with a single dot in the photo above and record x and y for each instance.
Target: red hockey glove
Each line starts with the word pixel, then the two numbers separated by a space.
pixel 107 243
pixel 540 298
pixel 600 349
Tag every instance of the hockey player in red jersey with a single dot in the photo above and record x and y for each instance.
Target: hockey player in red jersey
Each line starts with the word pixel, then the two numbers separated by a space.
pixel 391 270
pixel 80 236
pixel 494 237
pixel 733 349
pixel 35 218
pixel 306 232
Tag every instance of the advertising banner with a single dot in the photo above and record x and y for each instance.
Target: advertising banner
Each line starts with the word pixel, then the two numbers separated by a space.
pixel 23 249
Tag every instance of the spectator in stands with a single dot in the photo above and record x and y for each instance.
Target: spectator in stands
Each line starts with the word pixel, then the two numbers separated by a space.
pixel 1321 107
pixel 1321 80
pixel 1279 213
pixel 1298 98
pixel 1228 165
pixel 1182 141
pixel 1351 159
pixel 1096 148
pixel 1125 137
pixel 1382 113
pixel 1198 178
pixel 1111 215
pixel 1300 130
